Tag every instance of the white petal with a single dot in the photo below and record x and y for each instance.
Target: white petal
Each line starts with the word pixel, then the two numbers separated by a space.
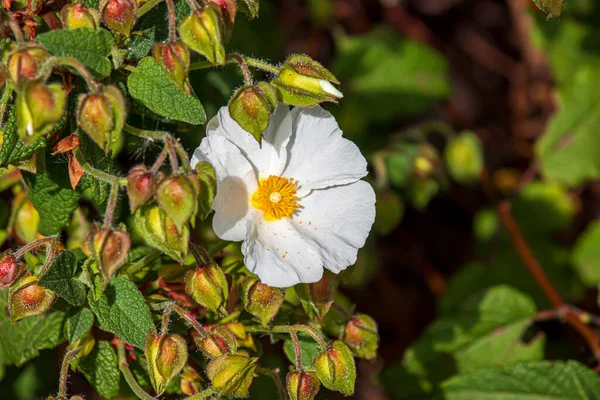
pixel 337 221
pixel 279 255
pixel 268 159
pixel 236 183
pixel 318 156
pixel 329 88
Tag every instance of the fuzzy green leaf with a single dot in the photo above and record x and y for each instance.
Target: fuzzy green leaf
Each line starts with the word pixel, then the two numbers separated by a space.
pixel 141 44
pixel 79 323
pixel 89 46
pixel 60 278
pixel 151 86
pixel 101 368
pixel 122 310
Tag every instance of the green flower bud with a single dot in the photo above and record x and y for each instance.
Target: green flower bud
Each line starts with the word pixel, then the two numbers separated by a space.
pixel 190 381
pixel 158 230
pixel 251 107
pixel 464 158
pixel 177 198
pixel 27 298
pixel 40 108
pixel 203 32
pixel 317 298
pixel 242 337
pixel 74 16
pixel 231 374
pixel 360 335
pixel 24 65
pixel 219 341
pixel 174 59
pixel 208 287
pixel 140 186
pixel 229 11
pixel 119 15
pixel 166 356
pixel 102 115
pixel 261 300
pixel 303 82
pixel 9 269
pixel 335 368
pixel 26 222
pixel 302 385
pixel 109 248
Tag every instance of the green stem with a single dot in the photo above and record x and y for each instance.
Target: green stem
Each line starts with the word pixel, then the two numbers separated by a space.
pixel 75 64
pixel 147 7
pixel 165 137
pixel 172 154
pixel 96 173
pixel 297 349
pixel 143 133
pixel 15 28
pixel 64 373
pixel 239 59
pixel 276 378
pixel 191 320
pixel 111 205
pixel 201 65
pixel 129 378
pixel 33 245
pixel 202 395
pixel 288 329
pixel 234 315
pixel 183 156
pixel 160 160
pixel 265 66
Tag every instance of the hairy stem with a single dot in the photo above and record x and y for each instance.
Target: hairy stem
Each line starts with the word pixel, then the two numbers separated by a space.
pixel 172 154
pixel 165 137
pixel 129 378
pixel 288 329
pixel 111 205
pixel 172 23
pixel 297 349
pixel 147 7
pixel 96 173
pixel 275 376
pixel 202 395
pixel 159 160
pixel 34 245
pixel 64 372
pixel 239 59
pixel 265 66
pixel 191 320
pixel 75 64
pixel 15 28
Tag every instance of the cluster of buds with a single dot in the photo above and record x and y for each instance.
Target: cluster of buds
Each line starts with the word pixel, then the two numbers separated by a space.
pixel 261 300
pixel 166 356
pixel 101 114
pixel 109 247
pixel 119 15
pixel 27 298
pixel 335 368
pixel 251 107
pixel 75 16
pixel 207 285
pixel 317 298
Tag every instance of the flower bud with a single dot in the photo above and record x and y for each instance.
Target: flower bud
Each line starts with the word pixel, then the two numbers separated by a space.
pixel 9 269
pixel 174 59
pixel 219 341
pixel 27 298
pixel 27 221
pixel 302 385
pixel 39 109
pixel 177 197
pixel 140 186
pixel 304 82
pixel 335 368
pixel 203 32
pixel 190 381
pixel 157 229
pixel 74 16
pixel 166 356
pixel 231 374
pixel 360 335
pixel 208 287
pixel 251 107
pixel 24 65
pixel 261 300
pixel 119 15
pixel 464 158
pixel 102 115
pixel 317 298
pixel 229 11
pixel 242 337
pixel 109 247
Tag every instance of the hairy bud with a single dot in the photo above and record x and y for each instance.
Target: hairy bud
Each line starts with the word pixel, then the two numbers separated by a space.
pixel 190 381
pixel 203 33
pixel 166 356
pixel 302 385
pixel 229 11
pixel 24 65
pixel 174 59
pixel 27 298
pixel 9 269
pixel 317 298
pixel 208 287
pixel 242 337
pixel 219 341
pixel 109 247
pixel 231 374
pixel 39 109
pixel 119 15
pixel 177 197
pixel 360 335
pixel 261 300
pixel 140 186
pixel 251 107
pixel 335 368
pixel 74 16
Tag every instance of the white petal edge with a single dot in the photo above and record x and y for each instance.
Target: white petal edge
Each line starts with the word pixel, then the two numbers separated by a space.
pixel 318 155
pixel 337 222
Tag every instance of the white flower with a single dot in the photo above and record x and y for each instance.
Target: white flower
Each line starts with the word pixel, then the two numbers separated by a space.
pixel 297 201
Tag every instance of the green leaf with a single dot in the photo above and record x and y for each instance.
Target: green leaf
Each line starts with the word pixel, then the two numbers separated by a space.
pixel 569 151
pixel 552 7
pixel 89 46
pixel 141 44
pixel 60 278
pixel 51 194
pixel 96 157
pixel 539 380
pixel 586 255
pixel 101 369
pixel 151 86
pixel 12 149
pixel 389 75
pixel 79 324
pixel 483 331
pixel 121 310
pixel 310 349
pixel 23 340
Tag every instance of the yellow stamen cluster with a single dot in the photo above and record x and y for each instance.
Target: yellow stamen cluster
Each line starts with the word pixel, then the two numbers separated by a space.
pixel 276 197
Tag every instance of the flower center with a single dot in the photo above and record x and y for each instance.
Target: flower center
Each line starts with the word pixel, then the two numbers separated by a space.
pixel 276 197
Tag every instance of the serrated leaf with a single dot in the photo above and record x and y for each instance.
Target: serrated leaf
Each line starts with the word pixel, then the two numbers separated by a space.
pixel 60 278
pixel 122 310
pixel 484 331
pixel 309 347
pixel 23 340
pixel 101 369
pixel 79 323
pixel 586 255
pixel 12 149
pixel 51 194
pixel 151 86
pixel 540 380
pixel 141 44
pixel 89 46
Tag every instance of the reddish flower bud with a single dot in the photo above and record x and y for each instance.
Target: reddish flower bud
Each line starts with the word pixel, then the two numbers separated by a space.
pixel 261 300
pixel 231 374
pixel 317 298
pixel 9 269
pixel 208 287
pixel 335 368
pixel 174 59
pixel 119 15
pixel 251 107
pixel 360 334
pixel 109 248
pixel 24 65
pixel 302 385
pixel 177 197
pixel 74 16
pixel 27 298
pixel 140 186
pixel 229 11
pixel 203 33
pixel 166 356
pixel 219 341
